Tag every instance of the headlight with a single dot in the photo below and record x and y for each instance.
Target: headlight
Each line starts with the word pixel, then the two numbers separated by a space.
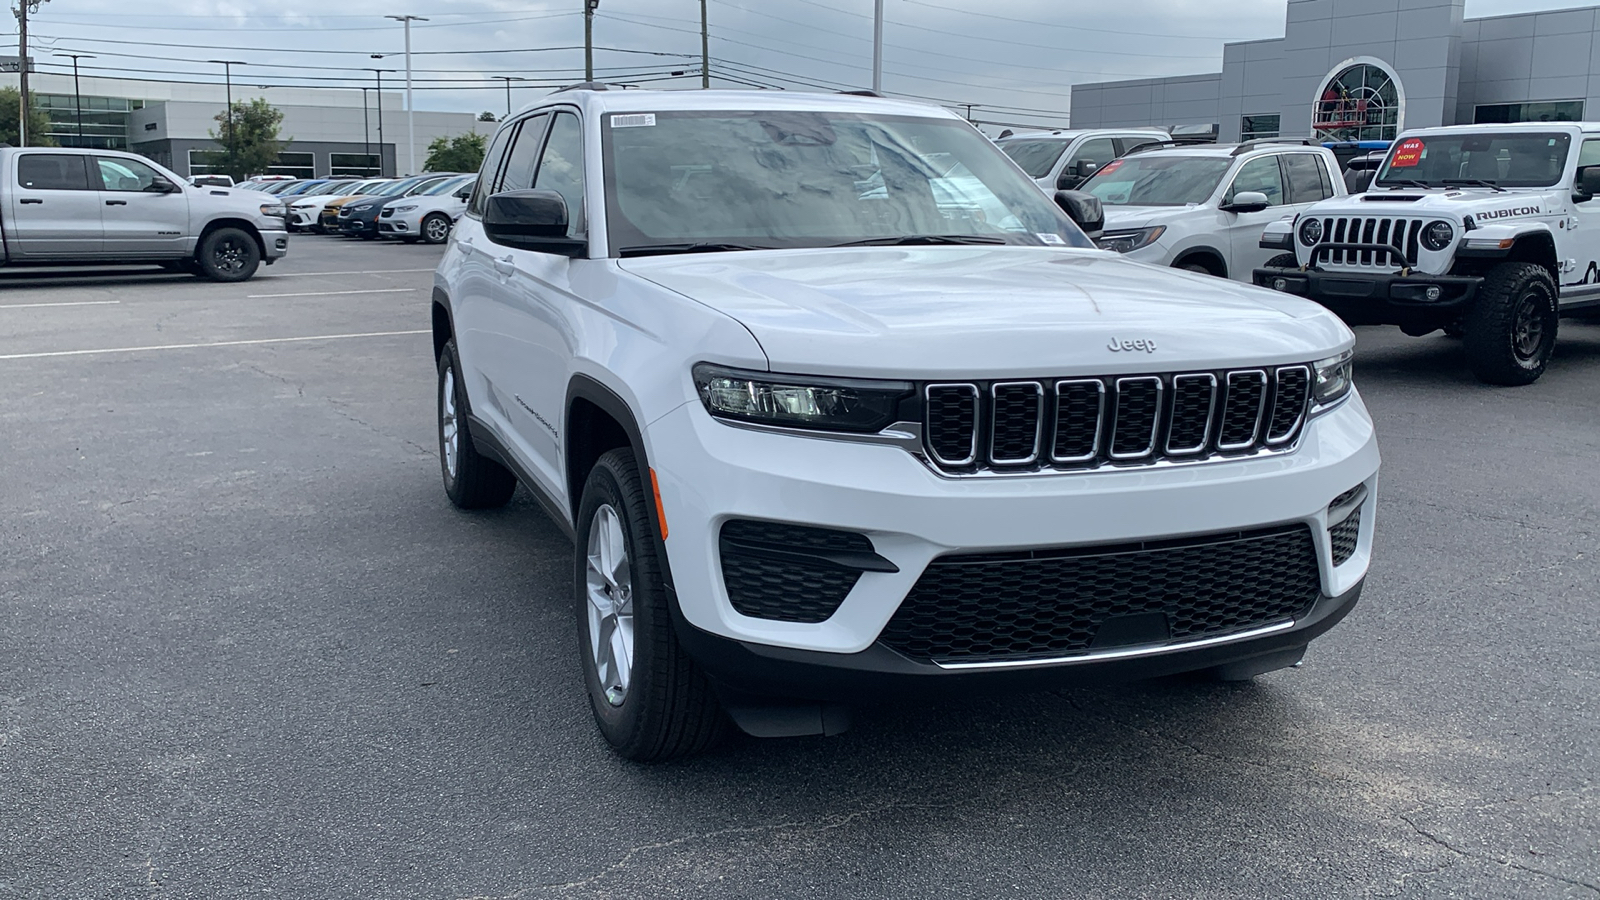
pixel 1129 241
pixel 302 206
pixel 1311 232
pixel 404 209
pixel 1437 235
pixel 274 210
pixel 790 401
pixel 1334 377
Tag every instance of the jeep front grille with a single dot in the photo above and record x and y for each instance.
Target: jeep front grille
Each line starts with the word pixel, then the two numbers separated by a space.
pixel 1082 423
pixel 1401 233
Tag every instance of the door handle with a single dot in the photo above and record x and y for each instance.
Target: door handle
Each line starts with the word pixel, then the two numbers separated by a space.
pixel 504 265
pixel 27 200
pixel 116 203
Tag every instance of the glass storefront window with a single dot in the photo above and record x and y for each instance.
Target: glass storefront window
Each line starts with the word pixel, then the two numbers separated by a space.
pixel 1361 103
pixel 1256 127
pixel 1551 111
pixel 352 164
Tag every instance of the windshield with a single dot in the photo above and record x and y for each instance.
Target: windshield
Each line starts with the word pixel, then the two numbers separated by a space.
pixel 297 190
pixel 1157 180
pixel 1036 157
pixel 328 188
pixel 1502 159
pixel 445 187
pixel 815 179
pixel 390 189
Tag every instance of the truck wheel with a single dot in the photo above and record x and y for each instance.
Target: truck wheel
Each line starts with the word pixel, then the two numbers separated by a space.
pixel 471 480
pixel 1511 328
pixel 436 228
pixel 1283 261
pixel 650 700
pixel 229 254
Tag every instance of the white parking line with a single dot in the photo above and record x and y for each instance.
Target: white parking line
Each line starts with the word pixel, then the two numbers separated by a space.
pixel 71 303
pixel 333 293
pixel 315 337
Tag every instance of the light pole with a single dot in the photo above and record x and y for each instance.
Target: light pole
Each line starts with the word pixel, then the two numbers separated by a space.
pixel 877 47
pixel 589 6
pixel 508 79
pixel 366 135
pixel 77 95
pixel 411 119
pixel 227 76
pixel 379 73
pixel 705 48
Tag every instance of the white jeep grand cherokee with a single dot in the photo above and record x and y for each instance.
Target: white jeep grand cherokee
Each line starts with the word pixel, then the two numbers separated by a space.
pixel 824 434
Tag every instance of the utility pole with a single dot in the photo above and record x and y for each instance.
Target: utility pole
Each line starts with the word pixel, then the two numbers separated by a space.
pixel 877 47
pixel 411 116
pixel 227 75
pixel 379 73
pixel 77 95
pixel 705 48
pixel 366 135
pixel 508 79
pixel 23 8
pixel 589 6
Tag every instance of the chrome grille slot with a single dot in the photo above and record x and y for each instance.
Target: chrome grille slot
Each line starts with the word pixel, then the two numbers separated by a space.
pixel 1080 410
pixel 1399 233
pixel 1242 407
pixel 1137 415
pixel 1194 397
pixel 1016 418
pixel 952 417
pixel 1290 396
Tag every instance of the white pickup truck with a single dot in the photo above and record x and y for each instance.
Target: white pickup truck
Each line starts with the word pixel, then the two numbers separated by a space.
pixel 64 206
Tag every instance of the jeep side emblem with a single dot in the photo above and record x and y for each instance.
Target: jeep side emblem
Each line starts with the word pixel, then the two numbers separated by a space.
pixel 1145 344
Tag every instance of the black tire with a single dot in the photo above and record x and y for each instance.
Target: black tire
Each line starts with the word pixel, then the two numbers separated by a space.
pixel 474 481
pixel 1511 328
pixel 1455 330
pixel 409 240
pixel 368 236
pixel 439 232
pixel 666 709
pixel 229 255
pixel 1283 261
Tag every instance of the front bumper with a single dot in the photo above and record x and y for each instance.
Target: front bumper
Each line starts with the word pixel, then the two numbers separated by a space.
pixel 303 218
pixel 913 515
pixel 1376 298
pixel 274 245
pixel 402 225
pixel 358 225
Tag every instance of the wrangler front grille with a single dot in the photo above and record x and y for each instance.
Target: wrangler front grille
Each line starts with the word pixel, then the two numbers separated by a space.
pixel 1401 233
pixel 1079 423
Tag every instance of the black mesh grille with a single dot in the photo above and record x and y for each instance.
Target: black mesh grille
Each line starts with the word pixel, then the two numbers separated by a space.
pixel 1344 536
pixel 1138 405
pixel 952 422
pixel 1241 409
pixel 787 588
pixel 1191 413
pixel 1053 603
pixel 1288 403
pixel 1077 419
pixel 1016 422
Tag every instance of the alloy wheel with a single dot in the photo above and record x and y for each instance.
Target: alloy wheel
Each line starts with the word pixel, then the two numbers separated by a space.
pixel 437 230
pixel 1527 325
pixel 609 588
pixel 449 424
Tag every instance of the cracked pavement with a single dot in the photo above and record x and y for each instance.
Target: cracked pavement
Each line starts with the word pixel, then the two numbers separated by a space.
pixel 248 649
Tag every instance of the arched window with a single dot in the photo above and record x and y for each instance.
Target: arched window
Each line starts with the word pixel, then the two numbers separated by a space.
pixel 1362 102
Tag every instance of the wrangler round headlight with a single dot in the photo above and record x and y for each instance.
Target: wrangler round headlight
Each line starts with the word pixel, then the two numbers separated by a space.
pixel 1438 235
pixel 1311 232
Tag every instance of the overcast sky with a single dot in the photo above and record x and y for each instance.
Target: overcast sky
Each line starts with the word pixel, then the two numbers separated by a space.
pixel 1014 59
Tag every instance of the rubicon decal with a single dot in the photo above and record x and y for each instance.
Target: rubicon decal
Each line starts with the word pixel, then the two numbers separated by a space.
pixel 1508 213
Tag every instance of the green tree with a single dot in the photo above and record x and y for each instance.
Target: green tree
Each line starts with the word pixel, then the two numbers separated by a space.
pixel 38 121
pixel 487 116
pixel 248 133
pixel 462 153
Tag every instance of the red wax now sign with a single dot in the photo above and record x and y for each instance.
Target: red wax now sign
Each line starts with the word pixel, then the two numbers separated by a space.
pixel 1409 153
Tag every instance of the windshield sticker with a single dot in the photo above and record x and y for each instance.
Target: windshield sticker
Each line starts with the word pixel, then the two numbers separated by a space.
pixel 1111 167
pixel 638 120
pixel 1048 238
pixel 1408 154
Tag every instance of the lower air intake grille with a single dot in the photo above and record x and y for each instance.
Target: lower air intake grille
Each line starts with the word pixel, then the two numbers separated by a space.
pixel 766 582
pixel 1049 603
pixel 1344 537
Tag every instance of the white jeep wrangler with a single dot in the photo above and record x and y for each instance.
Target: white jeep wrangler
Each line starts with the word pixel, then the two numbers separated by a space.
pixel 1485 231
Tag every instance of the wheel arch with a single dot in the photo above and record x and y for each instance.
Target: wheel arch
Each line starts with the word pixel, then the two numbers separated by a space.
pixel 599 420
pixel 1209 257
pixel 443 328
pixel 1539 248
pixel 245 225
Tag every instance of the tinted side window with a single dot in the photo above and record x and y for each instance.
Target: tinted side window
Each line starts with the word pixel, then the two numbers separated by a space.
pixel 1305 184
pixel 1589 153
pixel 518 174
pixel 561 168
pixel 1260 174
pixel 53 172
pixel 491 165
pixel 1098 151
pixel 125 174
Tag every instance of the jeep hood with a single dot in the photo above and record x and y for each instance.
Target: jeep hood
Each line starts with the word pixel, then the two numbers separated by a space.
pixel 1449 204
pixel 992 312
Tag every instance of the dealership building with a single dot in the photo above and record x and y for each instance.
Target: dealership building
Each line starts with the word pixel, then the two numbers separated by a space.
pixel 1366 69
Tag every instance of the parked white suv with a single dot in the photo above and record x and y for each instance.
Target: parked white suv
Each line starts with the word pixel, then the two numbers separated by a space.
pixel 429 215
pixel 1061 160
pixel 1204 207
pixel 822 435
pixel 1490 232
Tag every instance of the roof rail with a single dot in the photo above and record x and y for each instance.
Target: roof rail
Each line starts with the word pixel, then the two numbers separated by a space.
pixel 1163 145
pixel 1247 146
pixel 862 92
pixel 583 86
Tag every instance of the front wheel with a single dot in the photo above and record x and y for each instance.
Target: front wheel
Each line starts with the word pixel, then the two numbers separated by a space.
pixel 229 254
pixel 436 228
pixel 1511 328
pixel 471 480
pixel 650 700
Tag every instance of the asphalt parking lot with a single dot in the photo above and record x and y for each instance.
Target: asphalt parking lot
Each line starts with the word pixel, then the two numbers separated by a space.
pixel 248 649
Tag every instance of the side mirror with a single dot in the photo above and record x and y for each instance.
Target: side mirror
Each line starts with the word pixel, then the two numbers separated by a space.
pixel 1588 184
pixel 463 194
pixel 1067 180
pixel 1247 201
pixel 160 185
pixel 1083 209
pixel 531 220
pixel 1085 168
